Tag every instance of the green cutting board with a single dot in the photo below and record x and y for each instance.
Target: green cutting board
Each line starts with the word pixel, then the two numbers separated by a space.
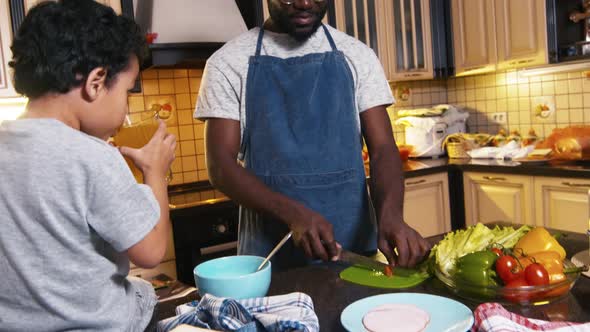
pixel 402 277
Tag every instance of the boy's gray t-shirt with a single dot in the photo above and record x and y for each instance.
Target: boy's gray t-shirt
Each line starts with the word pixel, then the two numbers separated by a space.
pixel 70 209
pixel 222 93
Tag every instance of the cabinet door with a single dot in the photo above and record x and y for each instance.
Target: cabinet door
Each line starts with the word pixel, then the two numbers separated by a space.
pixel 6 87
pixel 115 4
pixel 562 203
pixel 474 36
pixel 426 204
pixel 363 20
pixel 522 34
pixel 411 45
pixel 498 197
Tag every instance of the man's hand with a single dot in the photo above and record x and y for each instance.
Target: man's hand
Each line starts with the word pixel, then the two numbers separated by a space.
pixel 411 246
pixel 314 234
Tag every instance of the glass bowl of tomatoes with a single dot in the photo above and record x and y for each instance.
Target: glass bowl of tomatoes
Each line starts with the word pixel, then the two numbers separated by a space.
pixel 485 285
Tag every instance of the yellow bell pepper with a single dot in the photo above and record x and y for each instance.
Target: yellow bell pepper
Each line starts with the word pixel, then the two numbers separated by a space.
pixel 538 239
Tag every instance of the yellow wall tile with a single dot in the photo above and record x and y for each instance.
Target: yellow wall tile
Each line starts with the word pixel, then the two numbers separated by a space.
pixel 136 104
pixel 149 74
pixel 194 83
pixel 512 104
pixel 491 106
pixel 548 88
pixel 201 162
pixel 186 132
pixel 176 165
pixel 501 92
pixel 562 117
pixel 192 177
pixel 200 146
pixel 523 90
pixel 561 87
pixel 491 93
pixel 203 175
pixel 189 163
pixel 536 89
pixel 195 72
pixel 586 97
pixel 166 73
pixel 150 87
pixel 166 86
pixel 183 101
pixel 480 94
pixel 187 148
pixel 576 100
pixel 176 179
pixel 181 85
pixel 575 85
pixel 512 91
pixel 576 115
pixel 199 128
pixel 185 117
pixel 562 102
pixel 524 104
pixel 180 73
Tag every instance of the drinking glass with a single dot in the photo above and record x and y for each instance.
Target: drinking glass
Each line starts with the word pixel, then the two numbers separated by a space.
pixel 136 135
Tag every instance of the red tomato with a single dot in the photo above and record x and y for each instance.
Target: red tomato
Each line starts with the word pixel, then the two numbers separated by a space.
pixel 497 251
pixel 508 268
pixel 536 274
pixel 513 294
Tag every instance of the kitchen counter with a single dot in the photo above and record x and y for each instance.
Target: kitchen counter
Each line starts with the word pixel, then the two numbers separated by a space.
pixel 331 294
pixel 419 167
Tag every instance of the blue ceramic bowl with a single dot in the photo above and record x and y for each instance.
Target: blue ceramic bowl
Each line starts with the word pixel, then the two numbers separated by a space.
pixel 233 276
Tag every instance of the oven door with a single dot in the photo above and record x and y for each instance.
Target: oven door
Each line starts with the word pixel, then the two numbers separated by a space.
pixel 202 233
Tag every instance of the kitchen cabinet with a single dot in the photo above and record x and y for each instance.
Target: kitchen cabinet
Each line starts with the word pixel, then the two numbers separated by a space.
pixel 498 34
pixel 474 36
pixel 522 33
pixel 6 86
pixel 562 203
pixel 426 204
pixel 401 34
pixel 498 197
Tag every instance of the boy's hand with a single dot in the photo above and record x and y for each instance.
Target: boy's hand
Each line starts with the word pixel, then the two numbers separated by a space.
pixel 156 156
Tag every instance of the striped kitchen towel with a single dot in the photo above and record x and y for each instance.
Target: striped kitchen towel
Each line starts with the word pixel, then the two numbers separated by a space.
pixel 290 312
pixel 492 317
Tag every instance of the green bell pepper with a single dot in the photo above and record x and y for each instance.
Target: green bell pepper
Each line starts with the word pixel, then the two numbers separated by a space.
pixel 477 269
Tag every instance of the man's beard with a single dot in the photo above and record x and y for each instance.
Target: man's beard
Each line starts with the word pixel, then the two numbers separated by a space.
pixel 283 21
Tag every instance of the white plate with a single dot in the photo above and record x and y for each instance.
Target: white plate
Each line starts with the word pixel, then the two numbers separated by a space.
pixel 446 315
pixel 582 258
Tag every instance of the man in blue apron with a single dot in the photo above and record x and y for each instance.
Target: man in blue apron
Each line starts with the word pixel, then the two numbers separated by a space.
pixel 293 101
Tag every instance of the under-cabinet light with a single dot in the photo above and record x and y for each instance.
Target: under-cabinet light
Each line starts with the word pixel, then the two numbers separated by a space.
pixel 556 68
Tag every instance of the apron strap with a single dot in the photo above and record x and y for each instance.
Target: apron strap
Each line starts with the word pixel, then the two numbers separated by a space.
pixel 330 39
pixel 259 43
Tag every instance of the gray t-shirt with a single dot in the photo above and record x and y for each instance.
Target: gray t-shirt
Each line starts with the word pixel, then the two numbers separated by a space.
pixel 223 88
pixel 70 209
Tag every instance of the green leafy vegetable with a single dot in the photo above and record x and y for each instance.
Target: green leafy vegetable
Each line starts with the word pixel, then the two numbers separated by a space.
pixel 474 238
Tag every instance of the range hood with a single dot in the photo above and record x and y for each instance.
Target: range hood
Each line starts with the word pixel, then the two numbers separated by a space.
pixel 189 31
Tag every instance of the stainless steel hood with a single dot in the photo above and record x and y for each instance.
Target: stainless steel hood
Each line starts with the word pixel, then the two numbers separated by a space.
pixel 189 31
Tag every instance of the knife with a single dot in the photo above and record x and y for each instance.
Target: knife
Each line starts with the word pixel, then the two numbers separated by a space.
pixel 362 261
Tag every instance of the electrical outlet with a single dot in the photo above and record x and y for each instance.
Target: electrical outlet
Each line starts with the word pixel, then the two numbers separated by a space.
pixel 500 117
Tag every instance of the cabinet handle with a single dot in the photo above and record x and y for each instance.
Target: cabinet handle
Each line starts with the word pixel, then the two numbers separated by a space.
pixel 570 184
pixel 494 178
pixel 411 183
pixel 412 75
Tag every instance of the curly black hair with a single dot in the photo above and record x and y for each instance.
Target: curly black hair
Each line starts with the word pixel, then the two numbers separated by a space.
pixel 59 43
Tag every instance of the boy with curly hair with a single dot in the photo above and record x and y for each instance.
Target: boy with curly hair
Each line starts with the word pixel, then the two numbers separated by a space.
pixel 72 214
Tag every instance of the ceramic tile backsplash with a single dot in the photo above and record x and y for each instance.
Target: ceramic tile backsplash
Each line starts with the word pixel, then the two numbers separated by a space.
pixel 504 92
pixel 179 89
pixel 480 95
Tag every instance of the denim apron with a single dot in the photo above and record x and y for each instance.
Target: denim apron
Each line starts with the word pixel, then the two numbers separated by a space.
pixel 302 140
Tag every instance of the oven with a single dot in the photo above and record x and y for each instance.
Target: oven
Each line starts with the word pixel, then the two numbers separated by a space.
pixel 201 232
